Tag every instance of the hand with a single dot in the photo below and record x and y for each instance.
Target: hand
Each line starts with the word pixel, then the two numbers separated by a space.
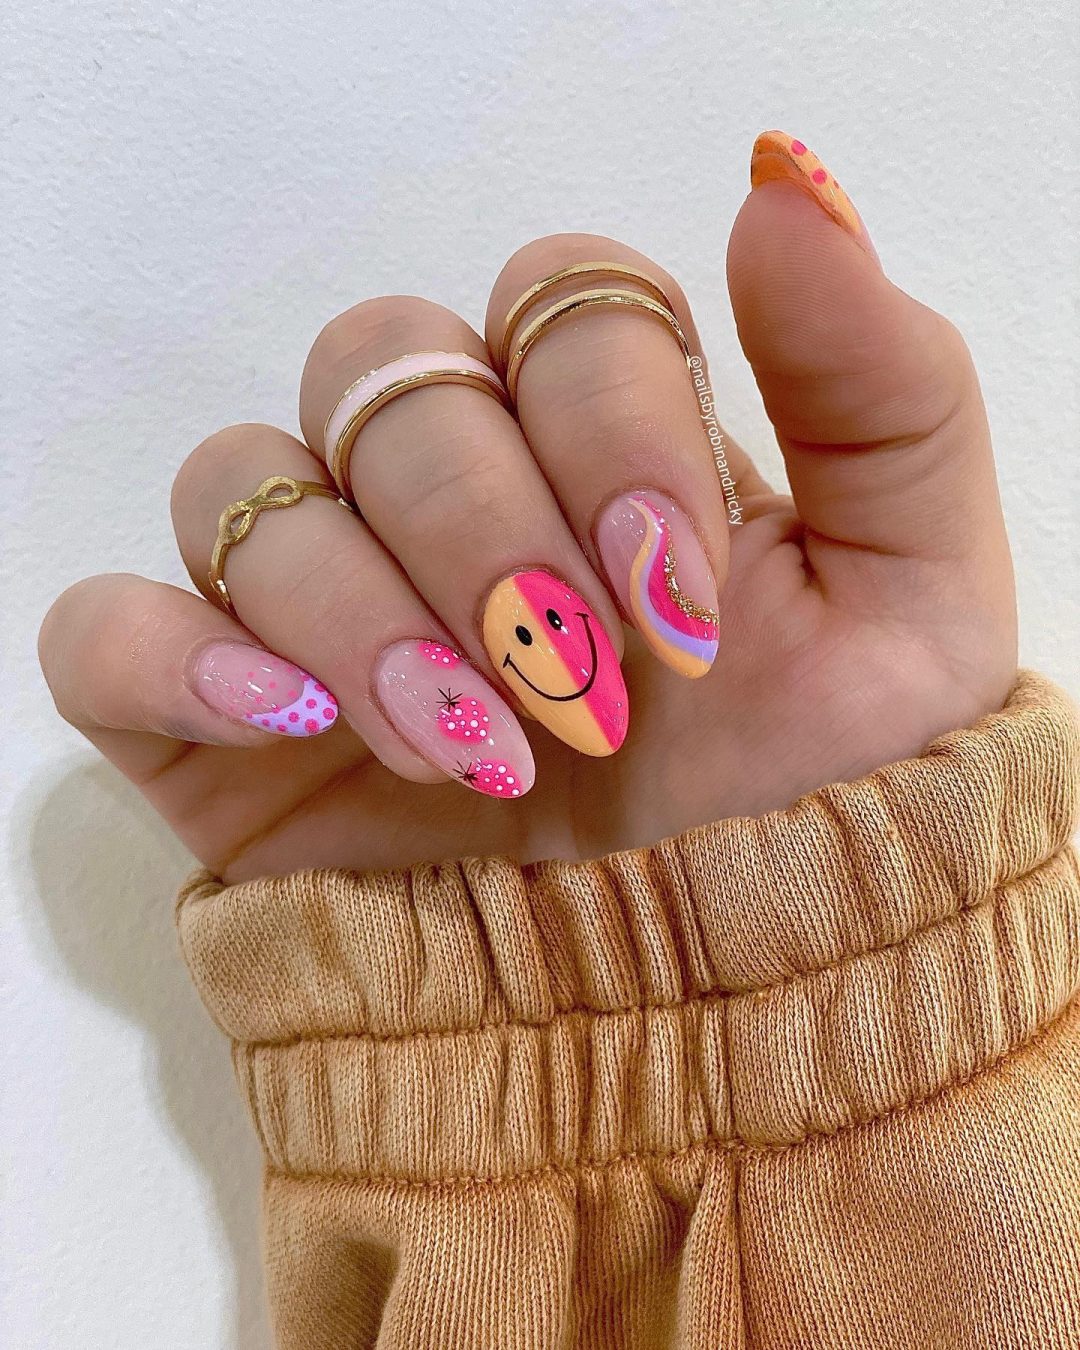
pixel 858 619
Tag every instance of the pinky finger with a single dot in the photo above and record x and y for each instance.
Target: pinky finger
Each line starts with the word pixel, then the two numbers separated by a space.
pixel 144 669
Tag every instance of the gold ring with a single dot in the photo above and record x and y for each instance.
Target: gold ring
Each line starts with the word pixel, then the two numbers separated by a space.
pixel 582 269
pixel 584 300
pixel 372 391
pixel 236 522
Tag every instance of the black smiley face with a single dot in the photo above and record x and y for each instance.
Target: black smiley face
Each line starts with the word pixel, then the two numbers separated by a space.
pixel 525 637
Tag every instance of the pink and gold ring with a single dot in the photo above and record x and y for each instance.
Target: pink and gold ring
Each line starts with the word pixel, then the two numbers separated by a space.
pixel 365 396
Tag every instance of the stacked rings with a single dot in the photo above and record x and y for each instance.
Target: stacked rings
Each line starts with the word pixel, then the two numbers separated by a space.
pixel 365 396
pixel 654 301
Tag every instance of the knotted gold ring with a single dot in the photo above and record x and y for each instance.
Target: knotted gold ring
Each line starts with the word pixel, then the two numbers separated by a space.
pixel 237 521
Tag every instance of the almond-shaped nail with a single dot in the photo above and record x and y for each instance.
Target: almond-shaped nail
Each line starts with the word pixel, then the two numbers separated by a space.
pixel 254 686
pixel 778 156
pixel 553 652
pixel 451 716
pixel 660 573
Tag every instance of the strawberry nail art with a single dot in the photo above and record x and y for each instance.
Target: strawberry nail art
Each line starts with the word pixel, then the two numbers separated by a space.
pixel 256 687
pixel 776 156
pixel 553 652
pixel 659 570
pixel 450 715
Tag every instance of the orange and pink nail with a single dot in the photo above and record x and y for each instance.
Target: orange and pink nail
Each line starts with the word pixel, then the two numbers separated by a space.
pixel 778 157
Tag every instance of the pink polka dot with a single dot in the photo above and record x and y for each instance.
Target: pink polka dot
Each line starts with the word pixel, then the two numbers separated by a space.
pixel 329 714
pixel 282 727
pixel 797 148
pixel 266 721
pixel 820 176
pixel 294 717
pixel 311 726
pixel 310 703
pixel 272 684
pixel 320 688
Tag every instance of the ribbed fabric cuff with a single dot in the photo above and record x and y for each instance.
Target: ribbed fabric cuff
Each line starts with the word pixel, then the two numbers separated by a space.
pixel 757 980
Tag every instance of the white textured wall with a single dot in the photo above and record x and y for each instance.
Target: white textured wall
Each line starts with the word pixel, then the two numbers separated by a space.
pixel 190 191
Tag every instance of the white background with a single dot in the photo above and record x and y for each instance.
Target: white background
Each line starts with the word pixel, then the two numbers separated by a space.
pixel 190 191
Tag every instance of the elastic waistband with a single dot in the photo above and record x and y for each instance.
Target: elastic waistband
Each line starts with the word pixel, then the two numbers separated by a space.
pixel 754 982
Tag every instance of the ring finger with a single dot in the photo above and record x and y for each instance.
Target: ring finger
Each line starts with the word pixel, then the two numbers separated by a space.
pixel 445 480
pixel 315 586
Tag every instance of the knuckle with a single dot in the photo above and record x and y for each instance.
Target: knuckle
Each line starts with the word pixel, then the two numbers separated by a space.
pixel 99 614
pixel 201 471
pixel 370 322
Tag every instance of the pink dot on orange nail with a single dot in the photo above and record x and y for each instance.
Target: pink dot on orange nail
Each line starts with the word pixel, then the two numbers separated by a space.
pixel 797 148
pixel 820 176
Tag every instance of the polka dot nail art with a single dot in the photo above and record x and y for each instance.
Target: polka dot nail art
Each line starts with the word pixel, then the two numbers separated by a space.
pixel 263 690
pixel 451 716
pixel 779 157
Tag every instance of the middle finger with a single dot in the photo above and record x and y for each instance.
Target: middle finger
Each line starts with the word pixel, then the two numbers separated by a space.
pixel 443 476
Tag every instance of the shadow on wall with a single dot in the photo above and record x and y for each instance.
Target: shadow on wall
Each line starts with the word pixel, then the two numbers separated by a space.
pixel 103 864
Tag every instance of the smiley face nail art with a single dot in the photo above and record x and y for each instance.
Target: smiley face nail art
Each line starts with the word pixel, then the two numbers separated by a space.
pixel 553 652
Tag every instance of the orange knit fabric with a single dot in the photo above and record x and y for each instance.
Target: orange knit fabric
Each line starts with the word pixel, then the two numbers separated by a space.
pixel 807 1080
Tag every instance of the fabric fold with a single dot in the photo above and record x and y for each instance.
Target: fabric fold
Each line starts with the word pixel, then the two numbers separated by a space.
pixel 755 982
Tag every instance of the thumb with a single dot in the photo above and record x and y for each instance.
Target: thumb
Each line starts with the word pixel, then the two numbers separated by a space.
pixel 873 396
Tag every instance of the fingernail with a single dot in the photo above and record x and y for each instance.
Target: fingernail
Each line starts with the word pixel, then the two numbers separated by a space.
pixel 553 652
pixel 451 716
pixel 778 156
pixel 661 575
pixel 253 686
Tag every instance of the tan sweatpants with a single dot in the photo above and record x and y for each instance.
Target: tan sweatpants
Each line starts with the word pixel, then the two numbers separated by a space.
pixel 810 1080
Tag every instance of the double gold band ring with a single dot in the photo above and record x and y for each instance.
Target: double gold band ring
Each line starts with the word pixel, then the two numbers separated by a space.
pixel 374 390
pixel 651 298
pixel 237 521
pixel 584 300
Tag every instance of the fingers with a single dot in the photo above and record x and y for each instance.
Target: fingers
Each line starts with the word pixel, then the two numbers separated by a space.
pixel 143 669
pixel 873 396
pixel 315 585
pixel 445 480
pixel 609 409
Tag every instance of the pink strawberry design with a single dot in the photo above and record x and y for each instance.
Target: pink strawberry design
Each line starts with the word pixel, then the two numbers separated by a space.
pixel 494 777
pixel 439 654
pixel 463 719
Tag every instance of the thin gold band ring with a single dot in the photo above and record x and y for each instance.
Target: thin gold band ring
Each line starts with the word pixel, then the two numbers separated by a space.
pixel 585 300
pixel 582 269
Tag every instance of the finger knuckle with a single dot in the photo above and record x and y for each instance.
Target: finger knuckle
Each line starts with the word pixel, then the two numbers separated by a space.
pixel 372 322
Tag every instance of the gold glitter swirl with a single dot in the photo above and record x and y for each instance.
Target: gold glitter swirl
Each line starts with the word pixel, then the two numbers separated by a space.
pixel 689 607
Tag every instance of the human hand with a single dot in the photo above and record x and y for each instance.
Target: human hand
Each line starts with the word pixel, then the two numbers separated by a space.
pixel 856 620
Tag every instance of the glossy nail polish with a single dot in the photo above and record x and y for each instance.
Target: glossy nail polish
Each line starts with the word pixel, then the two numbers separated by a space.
pixel 254 686
pixel 658 568
pixel 778 156
pixel 553 652
pixel 451 716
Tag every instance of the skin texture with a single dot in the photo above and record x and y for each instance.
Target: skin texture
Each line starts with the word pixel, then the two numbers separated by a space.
pixel 860 617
